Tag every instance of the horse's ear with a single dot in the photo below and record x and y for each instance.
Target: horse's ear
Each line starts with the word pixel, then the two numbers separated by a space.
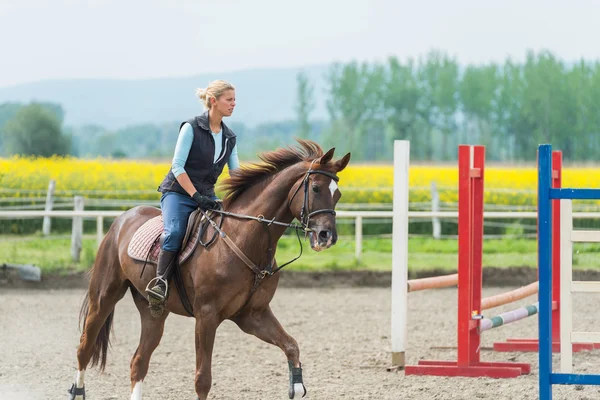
pixel 342 163
pixel 327 156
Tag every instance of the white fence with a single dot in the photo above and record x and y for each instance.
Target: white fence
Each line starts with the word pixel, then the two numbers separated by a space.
pixel 358 216
pixel 568 236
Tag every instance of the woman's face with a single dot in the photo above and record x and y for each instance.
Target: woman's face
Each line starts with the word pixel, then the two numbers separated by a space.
pixel 225 103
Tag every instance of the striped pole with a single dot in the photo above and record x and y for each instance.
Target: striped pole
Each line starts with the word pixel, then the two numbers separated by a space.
pixel 506 318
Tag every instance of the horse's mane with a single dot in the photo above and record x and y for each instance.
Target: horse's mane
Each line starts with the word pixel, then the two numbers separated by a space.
pixel 275 161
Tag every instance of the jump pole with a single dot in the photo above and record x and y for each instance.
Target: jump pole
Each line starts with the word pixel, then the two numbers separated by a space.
pixel 508 317
pixel 438 282
pixel 435 282
pixel 471 168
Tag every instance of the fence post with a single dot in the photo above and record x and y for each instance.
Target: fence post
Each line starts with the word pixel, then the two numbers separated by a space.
pixel 49 203
pixel 99 229
pixel 358 235
pixel 435 207
pixel 77 231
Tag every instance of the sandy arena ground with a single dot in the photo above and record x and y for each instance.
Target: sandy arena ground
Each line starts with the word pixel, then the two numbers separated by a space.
pixel 344 337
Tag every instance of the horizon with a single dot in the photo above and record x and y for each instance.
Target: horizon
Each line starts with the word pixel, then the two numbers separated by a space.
pixel 254 69
pixel 172 77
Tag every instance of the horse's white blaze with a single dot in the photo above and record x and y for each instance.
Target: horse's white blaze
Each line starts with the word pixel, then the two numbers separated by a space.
pixel 136 394
pixel 79 379
pixel 333 187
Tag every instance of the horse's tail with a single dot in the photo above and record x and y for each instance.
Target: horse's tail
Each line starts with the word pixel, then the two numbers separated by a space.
pixel 103 338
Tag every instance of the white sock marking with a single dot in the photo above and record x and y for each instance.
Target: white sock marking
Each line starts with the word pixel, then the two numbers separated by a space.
pixel 299 391
pixel 136 394
pixel 333 187
pixel 79 379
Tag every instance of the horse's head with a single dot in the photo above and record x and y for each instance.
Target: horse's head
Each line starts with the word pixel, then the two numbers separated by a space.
pixel 313 198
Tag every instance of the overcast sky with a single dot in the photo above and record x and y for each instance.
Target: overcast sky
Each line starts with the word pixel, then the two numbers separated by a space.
pixel 50 39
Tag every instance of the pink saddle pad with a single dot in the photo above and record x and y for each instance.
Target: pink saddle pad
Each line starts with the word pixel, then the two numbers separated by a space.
pixel 145 246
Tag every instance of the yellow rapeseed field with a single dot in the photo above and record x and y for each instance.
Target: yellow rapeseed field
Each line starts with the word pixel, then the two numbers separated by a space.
pixel 102 178
pixel 96 178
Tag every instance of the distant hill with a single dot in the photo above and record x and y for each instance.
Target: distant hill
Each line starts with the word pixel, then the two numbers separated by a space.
pixel 262 95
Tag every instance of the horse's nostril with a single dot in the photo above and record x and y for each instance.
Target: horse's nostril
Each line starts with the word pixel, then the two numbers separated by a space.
pixel 324 235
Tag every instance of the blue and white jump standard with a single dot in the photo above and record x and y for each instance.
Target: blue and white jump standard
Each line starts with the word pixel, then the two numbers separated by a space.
pixel 545 196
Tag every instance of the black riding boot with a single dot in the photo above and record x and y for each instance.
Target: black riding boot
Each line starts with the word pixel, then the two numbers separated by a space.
pixel 157 294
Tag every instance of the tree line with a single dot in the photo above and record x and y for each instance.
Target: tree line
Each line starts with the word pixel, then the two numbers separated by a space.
pixel 433 101
pixel 38 129
pixel 436 104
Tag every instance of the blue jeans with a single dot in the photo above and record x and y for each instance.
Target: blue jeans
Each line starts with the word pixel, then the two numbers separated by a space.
pixel 176 209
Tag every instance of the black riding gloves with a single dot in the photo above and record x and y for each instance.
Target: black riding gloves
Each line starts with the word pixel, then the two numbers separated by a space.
pixel 204 202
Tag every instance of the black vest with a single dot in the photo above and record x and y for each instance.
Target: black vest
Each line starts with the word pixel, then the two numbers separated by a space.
pixel 201 169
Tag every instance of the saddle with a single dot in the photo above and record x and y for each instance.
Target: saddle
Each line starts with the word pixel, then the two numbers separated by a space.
pixel 146 241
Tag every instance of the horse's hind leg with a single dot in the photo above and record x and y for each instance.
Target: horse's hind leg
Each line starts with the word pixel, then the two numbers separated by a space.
pixel 264 325
pixel 151 333
pixel 106 288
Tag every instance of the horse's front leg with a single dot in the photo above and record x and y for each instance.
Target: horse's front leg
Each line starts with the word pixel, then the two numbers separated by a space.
pixel 206 328
pixel 264 325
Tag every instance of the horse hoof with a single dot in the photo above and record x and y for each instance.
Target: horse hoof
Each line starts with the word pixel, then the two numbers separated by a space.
pixel 297 391
pixel 76 393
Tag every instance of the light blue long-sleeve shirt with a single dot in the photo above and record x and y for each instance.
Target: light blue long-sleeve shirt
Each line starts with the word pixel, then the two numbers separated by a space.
pixel 184 144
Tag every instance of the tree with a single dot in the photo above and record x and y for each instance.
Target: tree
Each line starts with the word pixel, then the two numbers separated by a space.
pixel 477 91
pixel 354 103
pixel 119 153
pixel 36 131
pixel 403 101
pixel 506 108
pixel 547 103
pixel 84 140
pixel 7 112
pixel 305 104
pixel 105 144
pixel 438 78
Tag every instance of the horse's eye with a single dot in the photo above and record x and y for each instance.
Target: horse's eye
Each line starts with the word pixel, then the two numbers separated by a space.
pixel 316 189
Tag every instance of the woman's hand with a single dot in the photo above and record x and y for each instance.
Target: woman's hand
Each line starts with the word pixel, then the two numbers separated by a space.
pixel 204 202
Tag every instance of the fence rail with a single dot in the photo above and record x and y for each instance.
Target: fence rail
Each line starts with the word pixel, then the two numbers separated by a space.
pixel 358 216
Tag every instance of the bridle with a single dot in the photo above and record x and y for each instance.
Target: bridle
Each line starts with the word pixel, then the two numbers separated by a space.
pixel 305 215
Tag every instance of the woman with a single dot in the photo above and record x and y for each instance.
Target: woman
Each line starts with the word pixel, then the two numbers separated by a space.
pixel 205 144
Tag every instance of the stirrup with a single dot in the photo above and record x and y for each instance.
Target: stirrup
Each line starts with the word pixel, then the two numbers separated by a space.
pixel 155 295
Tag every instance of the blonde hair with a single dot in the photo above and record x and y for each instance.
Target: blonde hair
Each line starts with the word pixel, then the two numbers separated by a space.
pixel 215 89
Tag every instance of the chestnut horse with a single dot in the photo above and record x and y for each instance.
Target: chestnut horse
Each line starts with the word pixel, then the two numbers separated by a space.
pixel 262 200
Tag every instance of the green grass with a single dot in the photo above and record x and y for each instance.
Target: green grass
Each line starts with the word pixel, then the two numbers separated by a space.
pixel 53 254
pixel 423 254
